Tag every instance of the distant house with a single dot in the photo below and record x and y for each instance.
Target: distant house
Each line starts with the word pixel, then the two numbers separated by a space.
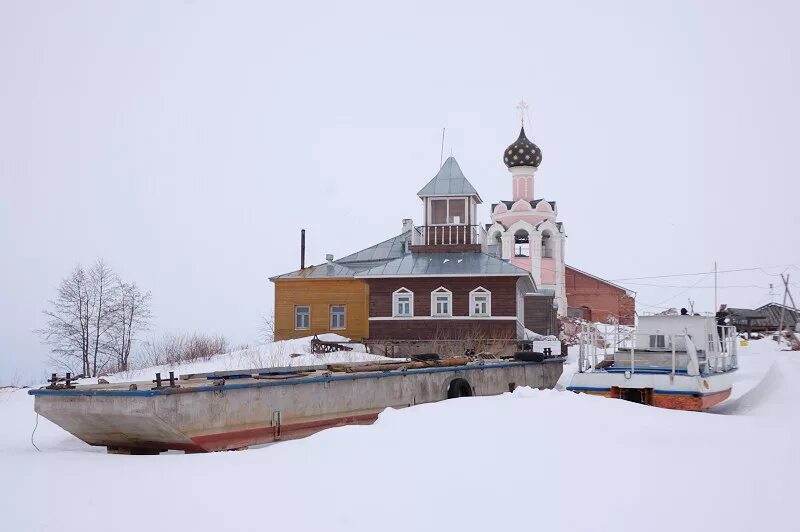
pixel 744 319
pixel 769 317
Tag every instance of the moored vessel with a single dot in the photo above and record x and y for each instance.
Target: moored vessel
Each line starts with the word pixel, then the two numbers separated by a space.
pixel 236 409
pixel 680 362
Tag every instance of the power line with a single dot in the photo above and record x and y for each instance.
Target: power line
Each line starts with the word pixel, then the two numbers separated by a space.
pixel 679 293
pixel 709 286
pixel 700 273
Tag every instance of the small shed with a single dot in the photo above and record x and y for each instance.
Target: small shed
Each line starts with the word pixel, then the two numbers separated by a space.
pixel 746 319
pixel 777 315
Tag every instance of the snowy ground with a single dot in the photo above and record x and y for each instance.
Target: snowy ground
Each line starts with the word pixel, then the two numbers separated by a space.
pixel 276 354
pixel 531 460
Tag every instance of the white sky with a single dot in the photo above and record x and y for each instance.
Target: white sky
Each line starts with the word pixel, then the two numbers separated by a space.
pixel 188 142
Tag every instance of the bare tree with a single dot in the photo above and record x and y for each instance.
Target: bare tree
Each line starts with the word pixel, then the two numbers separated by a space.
pixel 266 332
pixel 171 349
pixel 68 323
pixel 84 321
pixel 131 314
pixel 103 293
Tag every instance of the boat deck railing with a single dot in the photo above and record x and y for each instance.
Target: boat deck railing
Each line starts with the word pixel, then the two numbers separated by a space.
pixel 656 353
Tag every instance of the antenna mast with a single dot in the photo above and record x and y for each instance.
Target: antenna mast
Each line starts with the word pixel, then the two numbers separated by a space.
pixel 441 153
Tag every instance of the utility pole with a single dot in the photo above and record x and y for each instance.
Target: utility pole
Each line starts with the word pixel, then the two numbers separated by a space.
pixel 716 306
pixel 786 293
pixel 691 306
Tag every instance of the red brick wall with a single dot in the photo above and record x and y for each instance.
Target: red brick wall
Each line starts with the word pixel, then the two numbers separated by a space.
pixel 602 299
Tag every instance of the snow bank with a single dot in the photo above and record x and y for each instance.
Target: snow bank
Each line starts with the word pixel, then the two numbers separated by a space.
pixel 284 353
pixel 547 460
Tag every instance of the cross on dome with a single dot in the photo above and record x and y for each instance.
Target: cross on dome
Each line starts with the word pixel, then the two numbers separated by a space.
pixel 522 107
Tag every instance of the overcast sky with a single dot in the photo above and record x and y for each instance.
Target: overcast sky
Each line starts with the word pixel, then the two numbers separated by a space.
pixel 187 143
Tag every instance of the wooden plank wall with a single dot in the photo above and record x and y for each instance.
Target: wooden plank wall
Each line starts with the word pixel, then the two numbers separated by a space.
pixel 320 294
pixel 540 316
pixel 503 289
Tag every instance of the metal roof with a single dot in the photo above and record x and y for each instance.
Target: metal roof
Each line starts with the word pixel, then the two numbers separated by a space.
pixel 328 270
pixel 775 312
pixel 746 313
pixel 628 291
pixel 450 181
pixel 533 204
pixel 384 251
pixel 444 265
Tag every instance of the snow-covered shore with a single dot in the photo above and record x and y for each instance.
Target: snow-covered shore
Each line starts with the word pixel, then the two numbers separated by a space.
pixel 546 460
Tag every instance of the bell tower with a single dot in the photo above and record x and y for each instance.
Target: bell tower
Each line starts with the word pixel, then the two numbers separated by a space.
pixel 525 230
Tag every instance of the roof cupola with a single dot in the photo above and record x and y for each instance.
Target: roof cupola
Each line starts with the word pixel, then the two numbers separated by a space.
pixel 523 152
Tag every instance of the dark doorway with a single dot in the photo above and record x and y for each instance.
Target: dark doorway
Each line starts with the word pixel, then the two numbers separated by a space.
pixel 459 388
pixel 642 396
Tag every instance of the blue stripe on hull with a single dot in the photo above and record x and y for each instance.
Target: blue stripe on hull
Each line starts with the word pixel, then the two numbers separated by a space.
pixel 264 384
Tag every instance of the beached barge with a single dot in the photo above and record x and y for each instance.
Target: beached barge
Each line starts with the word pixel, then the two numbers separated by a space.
pixel 232 410
pixel 679 362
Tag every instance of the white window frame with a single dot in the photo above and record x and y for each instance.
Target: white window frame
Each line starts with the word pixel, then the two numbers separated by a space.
pixel 396 295
pixel 656 339
pixel 480 292
pixel 447 200
pixel 442 291
pixel 344 318
pixel 296 307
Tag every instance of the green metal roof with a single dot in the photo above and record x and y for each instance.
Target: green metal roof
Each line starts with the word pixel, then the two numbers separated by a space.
pixel 450 181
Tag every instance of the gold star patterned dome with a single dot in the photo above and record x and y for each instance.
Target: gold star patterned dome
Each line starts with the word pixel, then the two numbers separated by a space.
pixel 522 153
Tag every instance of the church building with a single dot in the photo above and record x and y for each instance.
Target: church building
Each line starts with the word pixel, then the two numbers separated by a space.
pixel 452 276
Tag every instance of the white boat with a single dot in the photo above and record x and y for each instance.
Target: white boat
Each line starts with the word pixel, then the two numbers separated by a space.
pixel 681 362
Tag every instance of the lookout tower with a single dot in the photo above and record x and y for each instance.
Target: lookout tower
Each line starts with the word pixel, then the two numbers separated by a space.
pixel 449 213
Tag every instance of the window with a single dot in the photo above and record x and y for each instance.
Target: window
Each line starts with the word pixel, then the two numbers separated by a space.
pixel 438 211
pixel 441 302
pixel 480 303
pixel 522 247
pixel 453 211
pixel 456 211
pixel 547 245
pixel 302 317
pixel 658 341
pixel 403 303
pixel 338 313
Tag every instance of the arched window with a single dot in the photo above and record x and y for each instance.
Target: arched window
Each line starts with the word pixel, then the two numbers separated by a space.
pixel 495 244
pixel 441 303
pixel 402 303
pixel 547 245
pixel 522 246
pixel 480 303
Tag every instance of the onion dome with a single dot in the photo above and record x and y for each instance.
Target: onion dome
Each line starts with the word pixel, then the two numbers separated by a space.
pixel 523 152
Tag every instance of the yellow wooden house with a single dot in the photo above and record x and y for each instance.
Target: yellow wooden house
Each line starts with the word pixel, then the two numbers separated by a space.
pixel 327 298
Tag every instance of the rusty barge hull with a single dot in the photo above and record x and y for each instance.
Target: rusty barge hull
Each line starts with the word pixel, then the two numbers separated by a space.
pixel 209 413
